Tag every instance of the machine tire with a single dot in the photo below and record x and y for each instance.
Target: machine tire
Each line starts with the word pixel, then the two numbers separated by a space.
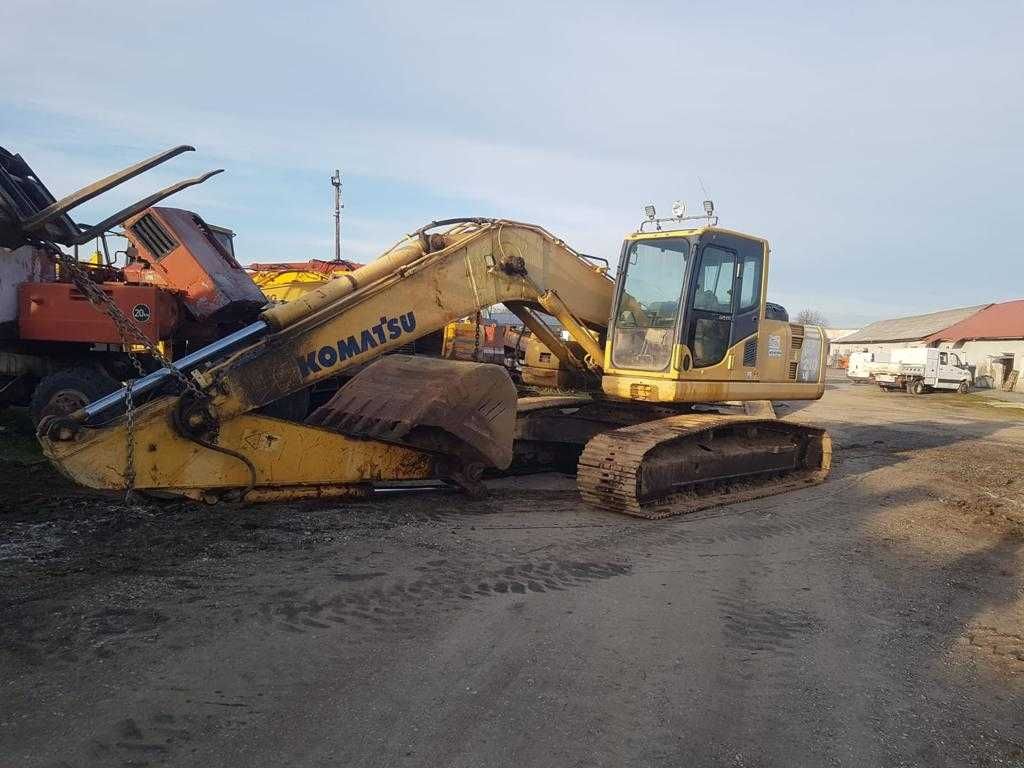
pixel 64 392
pixel 964 388
pixel 917 387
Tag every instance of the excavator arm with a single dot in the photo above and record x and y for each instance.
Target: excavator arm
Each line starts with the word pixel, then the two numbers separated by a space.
pixel 451 420
pixel 412 290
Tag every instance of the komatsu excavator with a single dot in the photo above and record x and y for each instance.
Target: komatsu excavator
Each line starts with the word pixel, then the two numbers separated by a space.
pixel 684 325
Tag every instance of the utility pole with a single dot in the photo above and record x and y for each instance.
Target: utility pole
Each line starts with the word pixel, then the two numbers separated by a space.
pixel 336 183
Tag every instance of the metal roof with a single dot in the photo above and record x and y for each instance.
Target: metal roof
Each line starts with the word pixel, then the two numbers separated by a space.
pixel 997 321
pixel 913 328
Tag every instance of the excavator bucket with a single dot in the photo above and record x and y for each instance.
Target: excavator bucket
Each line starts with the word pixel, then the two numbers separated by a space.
pixel 462 409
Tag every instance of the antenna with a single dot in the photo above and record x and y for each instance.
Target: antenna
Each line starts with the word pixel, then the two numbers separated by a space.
pixel 336 183
pixel 702 189
pixel 709 206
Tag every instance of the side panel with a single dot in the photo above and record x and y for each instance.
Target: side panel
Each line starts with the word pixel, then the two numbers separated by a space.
pixel 791 367
pixel 60 312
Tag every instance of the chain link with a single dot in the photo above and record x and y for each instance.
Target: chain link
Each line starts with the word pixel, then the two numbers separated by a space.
pixel 129 331
pixel 476 341
pixel 129 454
pixel 130 334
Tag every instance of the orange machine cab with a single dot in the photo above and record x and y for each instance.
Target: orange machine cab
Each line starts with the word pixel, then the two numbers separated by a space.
pixel 177 250
pixel 180 270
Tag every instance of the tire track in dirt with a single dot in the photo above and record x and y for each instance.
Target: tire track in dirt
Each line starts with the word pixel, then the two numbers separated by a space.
pixel 396 607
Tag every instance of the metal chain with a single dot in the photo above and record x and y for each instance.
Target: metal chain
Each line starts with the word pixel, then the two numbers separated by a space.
pixel 127 328
pixel 129 457
pixel 476 341
pixel 130 334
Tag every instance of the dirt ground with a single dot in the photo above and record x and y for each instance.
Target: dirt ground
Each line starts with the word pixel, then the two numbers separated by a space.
pixel 877 619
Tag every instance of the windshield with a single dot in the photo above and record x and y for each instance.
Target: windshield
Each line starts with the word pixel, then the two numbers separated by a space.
pixel 646 318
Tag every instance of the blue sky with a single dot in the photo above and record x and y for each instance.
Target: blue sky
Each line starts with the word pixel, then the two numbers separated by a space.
pixel 877 146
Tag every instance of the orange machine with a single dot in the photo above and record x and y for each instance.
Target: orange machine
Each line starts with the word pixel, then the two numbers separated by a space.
pixel 180 283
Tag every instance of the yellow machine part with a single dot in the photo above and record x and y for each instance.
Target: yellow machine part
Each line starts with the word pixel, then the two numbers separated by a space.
pixel 794 371
pixel 275 458
pixel 542 368
pixel 284 285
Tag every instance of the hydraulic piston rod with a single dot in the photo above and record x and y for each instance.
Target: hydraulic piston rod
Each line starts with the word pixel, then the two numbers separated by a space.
pixel 189 362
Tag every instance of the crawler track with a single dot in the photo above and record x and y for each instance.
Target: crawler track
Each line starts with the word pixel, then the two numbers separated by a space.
pixel 692 461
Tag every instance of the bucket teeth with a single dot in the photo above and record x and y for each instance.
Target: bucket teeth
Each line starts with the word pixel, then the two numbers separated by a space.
pixel 694 461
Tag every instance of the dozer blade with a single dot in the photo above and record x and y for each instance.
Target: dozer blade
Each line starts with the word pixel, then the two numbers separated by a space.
pixel 693 461
pixel 462 409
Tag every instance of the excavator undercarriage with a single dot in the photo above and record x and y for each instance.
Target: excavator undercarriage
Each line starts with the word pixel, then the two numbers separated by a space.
pixel 655 464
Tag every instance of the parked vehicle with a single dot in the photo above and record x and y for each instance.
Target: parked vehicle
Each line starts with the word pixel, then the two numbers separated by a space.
pixel 922 369
pixel 857 366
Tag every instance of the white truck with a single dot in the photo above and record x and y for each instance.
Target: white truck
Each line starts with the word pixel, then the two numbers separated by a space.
pixel 922 369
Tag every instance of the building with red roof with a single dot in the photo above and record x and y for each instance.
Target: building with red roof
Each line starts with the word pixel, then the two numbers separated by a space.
pixel 991 339
pixel 996 321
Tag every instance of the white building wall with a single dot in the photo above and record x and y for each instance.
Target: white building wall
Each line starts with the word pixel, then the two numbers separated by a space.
pixel 16 267
pixel 981 354
pixel 843 348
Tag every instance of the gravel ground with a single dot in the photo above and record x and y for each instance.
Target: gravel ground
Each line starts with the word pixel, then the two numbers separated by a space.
pixel 877 619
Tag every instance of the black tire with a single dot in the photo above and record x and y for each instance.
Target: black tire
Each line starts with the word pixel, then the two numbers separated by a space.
pixel 964 388
pixel 64 392
pixel 917 387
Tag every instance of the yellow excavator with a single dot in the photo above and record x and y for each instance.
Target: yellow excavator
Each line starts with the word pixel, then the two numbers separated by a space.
pixel 682 329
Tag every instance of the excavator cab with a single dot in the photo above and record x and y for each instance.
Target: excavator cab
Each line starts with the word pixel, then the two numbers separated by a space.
pixel 689 324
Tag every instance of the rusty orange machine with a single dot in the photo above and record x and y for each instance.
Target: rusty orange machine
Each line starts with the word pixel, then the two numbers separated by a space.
pixel 180 284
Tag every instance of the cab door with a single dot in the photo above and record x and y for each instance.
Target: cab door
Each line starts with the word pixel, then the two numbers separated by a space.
pixel 711 306
pixel 725 299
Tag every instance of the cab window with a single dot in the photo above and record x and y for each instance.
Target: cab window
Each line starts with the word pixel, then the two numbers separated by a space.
pixel 943 358
pixel 715 281
pixel 648 312
pixel 750 284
